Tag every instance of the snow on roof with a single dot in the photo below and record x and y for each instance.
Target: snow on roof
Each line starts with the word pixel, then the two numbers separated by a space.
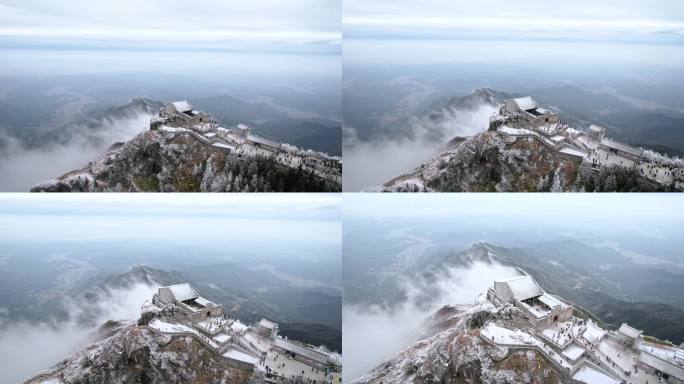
pixel 238 326
pixel 593 333
pixel 202 301
pixel 670 354
pixel 551 301
pixel 573 351
pixel 621 147
pixel 596 128
pixel 572 151
pixel 261 140
pixel 221 338
pixel 223 145
pixel 591 375
pixel 182 292
pixel 630 332
pixel 182 106
pixel 267 324
pixel 525 103
pixel 301 350
pixel 241 356
pixel 523 287
pixel 661 365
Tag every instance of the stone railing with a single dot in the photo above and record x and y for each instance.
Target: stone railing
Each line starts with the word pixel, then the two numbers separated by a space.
pixel 554 344
pixel 565 371
pixel 197 336
pixel 588 351
pixel 248 346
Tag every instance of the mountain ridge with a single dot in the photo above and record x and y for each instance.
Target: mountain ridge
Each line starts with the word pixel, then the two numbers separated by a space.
pixel 501 159
pixel 155 161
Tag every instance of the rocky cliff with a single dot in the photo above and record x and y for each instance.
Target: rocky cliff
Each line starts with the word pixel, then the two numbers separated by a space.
pixel 489 162
pixel 135 354
pixel 483 159
pixel 451 351
pixel 167 162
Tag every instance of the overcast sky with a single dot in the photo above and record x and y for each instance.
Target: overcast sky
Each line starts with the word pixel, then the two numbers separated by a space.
pixel 559 207
pixel 265 218
pixel 612 19
pixel 169 23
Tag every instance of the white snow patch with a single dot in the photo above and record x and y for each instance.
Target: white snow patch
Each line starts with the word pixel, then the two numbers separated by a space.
pixel 241 356
pixel 592 376
pixel 165 128
pixel 573 351
pixel 221 338
pixel 593 333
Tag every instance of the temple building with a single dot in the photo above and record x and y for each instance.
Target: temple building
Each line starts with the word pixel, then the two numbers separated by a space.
pixel 542 309
pixel 183 114
pixel 629 336
pixel 191 305
pixel 528 107
pixel 579 347
pixel 178 310
pixel 622 150
pixel 267 328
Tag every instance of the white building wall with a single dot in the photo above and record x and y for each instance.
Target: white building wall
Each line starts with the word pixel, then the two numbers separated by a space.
pixel 503 292
pixel 511 106
pixel 165 295
pixel 215 310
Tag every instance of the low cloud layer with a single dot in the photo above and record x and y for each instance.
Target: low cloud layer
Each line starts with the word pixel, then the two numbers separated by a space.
pixel 370 163
pixel 373 334
pixel 27 349
pixel 21 168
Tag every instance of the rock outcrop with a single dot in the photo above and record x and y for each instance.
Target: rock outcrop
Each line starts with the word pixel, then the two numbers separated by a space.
pixel 135 354
pixel 168 162
pixel 491 162
pixel 451 351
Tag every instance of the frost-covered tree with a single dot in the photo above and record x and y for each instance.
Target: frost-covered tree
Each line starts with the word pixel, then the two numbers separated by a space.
pixel 218 184
pixel 557 185
pixel 543 184
pixel 208 176
pixel 610 184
